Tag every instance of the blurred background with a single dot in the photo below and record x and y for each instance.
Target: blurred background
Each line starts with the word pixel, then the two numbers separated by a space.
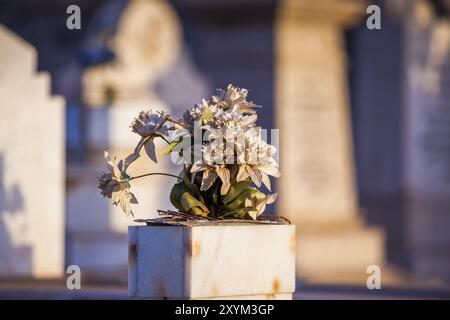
pixel 359 93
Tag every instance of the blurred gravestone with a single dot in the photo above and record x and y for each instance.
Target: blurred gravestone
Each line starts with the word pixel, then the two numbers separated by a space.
pixel 146 45
pixel 428 142
pixel 31 165
pixel 317 190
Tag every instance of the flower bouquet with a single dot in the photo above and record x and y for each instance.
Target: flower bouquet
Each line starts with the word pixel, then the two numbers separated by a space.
pixel 225 160
pixel 218 244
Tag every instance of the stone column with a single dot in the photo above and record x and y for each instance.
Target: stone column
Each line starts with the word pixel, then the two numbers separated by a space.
pixel 317 189
pixel 32 164
pixel 145 46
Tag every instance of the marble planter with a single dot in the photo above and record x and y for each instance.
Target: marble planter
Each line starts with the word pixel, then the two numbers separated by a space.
pixel 210 261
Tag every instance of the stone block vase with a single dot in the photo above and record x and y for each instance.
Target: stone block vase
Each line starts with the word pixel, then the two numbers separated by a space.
pixel 212 261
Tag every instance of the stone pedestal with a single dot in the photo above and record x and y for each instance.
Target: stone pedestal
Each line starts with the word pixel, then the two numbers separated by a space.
pixel 32 164
pixel 207 261
pixel 317 191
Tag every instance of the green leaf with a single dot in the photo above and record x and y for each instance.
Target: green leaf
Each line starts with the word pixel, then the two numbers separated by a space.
pixel 170 147
pixel 239 201
pixel 235 190
pixel 260 195
pixel 215 194
pixel 175 195
pixel 188 202
pixel 193 189
pixel 239 213
pixel 198 212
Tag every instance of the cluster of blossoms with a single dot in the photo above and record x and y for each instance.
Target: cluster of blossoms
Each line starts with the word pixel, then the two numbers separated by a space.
pixel 225 159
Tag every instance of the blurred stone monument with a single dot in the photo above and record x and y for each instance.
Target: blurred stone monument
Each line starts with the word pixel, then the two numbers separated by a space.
pixel 428 144
pixel 32 164
pixel 317 191
pixel 146 45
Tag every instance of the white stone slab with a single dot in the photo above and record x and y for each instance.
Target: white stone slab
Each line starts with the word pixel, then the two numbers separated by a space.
pixel 32 165
pixel 212 261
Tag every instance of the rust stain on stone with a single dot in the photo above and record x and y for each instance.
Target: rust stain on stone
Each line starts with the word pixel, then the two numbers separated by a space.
pixel 132 254
pixel 276 285
pixel 270 296
pixel 292 243
pixel 215 290
pixel 196 249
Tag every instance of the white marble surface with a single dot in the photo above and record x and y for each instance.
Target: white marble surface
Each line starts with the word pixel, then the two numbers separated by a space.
pixel 212 261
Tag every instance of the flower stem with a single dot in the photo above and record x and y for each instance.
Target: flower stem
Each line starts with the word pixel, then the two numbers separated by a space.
pixel 168 118
pixel 168 142
pixel 155 174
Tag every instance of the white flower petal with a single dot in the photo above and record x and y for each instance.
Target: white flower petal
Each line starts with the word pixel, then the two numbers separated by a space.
pixel 109 162
pixel 149 147
pixel 242 174
pixel 198 166
pixel 224 175
pixel 270 170
pixel 253 214
pixel 255 175
pixel 249 120
pixel 266 181
pixel 261 209
pixel 209 176
pixel 271 198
